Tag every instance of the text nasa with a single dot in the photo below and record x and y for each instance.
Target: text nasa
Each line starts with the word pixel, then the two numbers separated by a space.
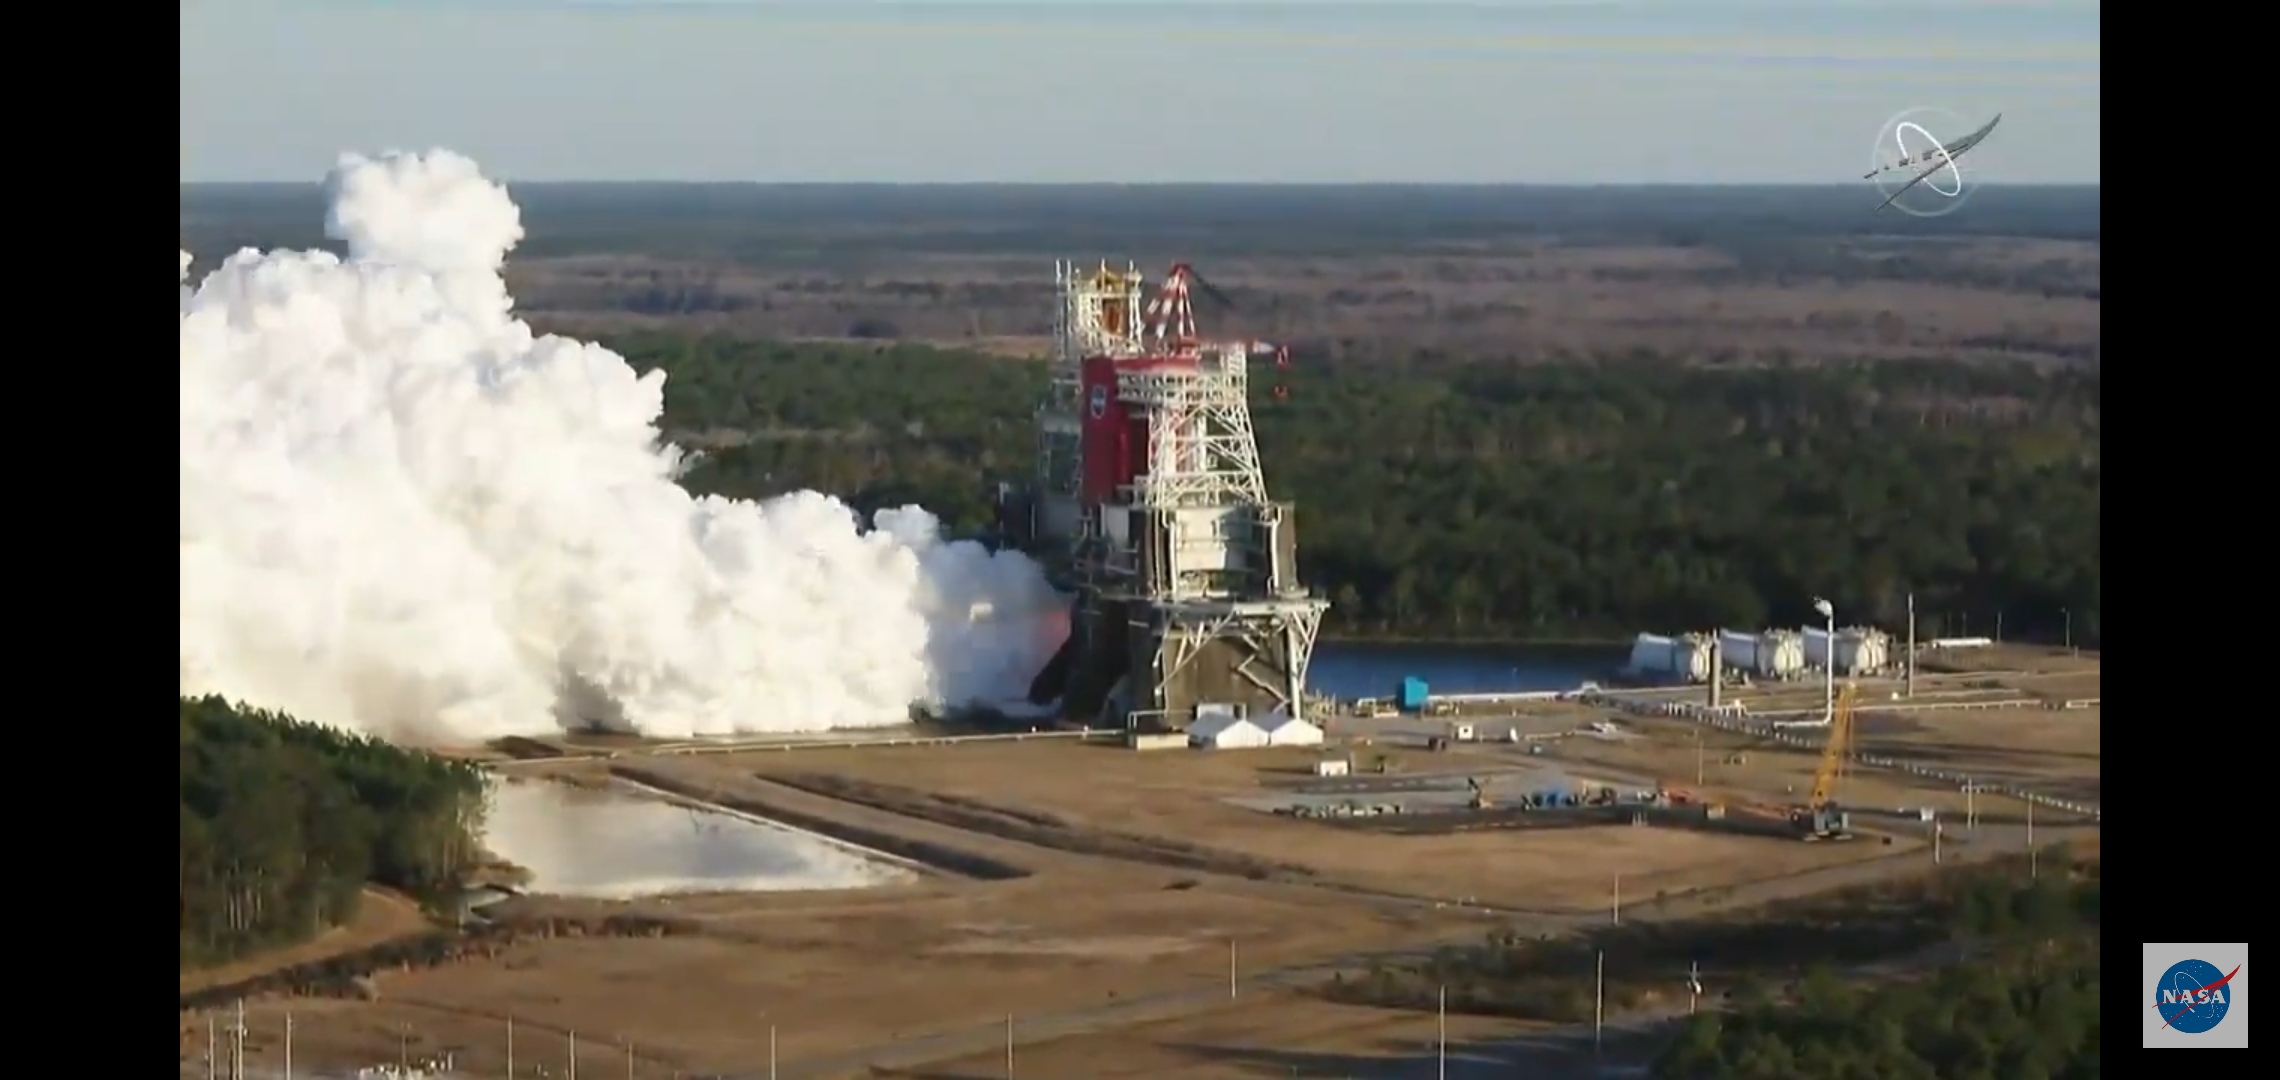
pixel 2194 997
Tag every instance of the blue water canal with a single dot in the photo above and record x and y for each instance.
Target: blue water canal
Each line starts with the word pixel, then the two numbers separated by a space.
pixel 1352 669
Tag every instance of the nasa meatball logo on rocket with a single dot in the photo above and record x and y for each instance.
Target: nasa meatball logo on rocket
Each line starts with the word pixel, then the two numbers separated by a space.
pixel 1099 401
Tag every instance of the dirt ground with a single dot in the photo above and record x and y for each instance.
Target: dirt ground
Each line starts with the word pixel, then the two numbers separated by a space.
pixel 1090 915
pixel 1271 1035
pixel 2034 659
pixel 382 916
pixel 836 972
pixel 2050 750
pixel 1182 794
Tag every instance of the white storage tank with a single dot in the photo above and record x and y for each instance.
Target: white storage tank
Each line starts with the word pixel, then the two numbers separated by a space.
pixel 1685 658
pixel 1738 651
pixel 1690 657
pixel 1780 654
pixel 1816 647
pixel 1863 649
pixel 1859 649
pixel 1651 653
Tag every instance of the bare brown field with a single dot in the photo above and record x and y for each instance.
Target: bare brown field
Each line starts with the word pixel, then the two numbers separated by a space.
pixel 1097 789
pixel 2034 659
pixel 1530 301
pixel 1269 1035
pixel 382 916
pixel 1124 882
pixel 837 972
pixel 2053 751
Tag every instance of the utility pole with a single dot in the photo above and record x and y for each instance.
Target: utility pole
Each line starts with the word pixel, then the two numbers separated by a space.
pixel 573 1054
pixel 1911 676
pixel 771 1052
pixel 1230 969
pixel 213 1049
pixel 2069 613
pixel 510 1048
pixel 1829 666
pixel 2032 868
pixel 1599 1004
pixel 1617 908
pixel 1998 626
pixel 629 1059
pixel 237 1044
pixel 1009 1046
pixel 1971 804
pixel 1442 1021
pixel 1935 841
pixel 288 1046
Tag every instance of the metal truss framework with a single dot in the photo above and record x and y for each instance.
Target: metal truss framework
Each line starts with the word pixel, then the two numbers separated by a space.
pixel 1202 453
pixel 1201 449
pixel 1189 627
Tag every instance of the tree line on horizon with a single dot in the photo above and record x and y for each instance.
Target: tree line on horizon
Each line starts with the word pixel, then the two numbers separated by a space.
pixel 1439 498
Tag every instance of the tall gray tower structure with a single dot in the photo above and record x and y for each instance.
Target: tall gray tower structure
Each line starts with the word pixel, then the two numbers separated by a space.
pixel 1149 504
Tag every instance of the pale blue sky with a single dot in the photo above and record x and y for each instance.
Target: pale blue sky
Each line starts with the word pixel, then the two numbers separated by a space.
pixel 1517 91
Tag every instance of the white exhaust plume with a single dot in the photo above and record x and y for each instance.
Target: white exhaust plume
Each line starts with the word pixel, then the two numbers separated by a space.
pixel 405 513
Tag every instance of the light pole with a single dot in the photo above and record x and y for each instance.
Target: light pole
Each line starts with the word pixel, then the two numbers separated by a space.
pixel 1598 1003
pixel 1828 661
pixel 1442 1023
pixel 2069 613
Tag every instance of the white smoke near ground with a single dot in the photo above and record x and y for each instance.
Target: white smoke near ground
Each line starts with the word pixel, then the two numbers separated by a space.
pixel 405 513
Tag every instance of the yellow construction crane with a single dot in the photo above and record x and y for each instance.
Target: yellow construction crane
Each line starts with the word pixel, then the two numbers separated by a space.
pixel 1820 817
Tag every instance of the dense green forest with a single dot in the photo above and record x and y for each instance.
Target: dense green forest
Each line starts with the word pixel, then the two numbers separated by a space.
pixel 1494 500
pixel 2024 1008
pixel 283 823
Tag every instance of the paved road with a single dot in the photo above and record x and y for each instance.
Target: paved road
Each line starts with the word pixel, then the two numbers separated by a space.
pixel 1552 1052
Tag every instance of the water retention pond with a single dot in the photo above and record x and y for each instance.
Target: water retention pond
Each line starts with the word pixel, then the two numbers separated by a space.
pixel 617 843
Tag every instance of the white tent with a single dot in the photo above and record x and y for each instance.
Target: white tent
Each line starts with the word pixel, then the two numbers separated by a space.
pixel 1221 728
pixel 1283 729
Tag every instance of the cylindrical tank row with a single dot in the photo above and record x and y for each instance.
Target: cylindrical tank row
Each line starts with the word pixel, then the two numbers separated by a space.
pixel 1859 650
pixel 1769 654
pixel 1683 658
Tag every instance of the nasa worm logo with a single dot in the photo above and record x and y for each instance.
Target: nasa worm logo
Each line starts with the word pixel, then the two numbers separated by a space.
pixel 1099 404
pixel 1915 161
pixel 2193 996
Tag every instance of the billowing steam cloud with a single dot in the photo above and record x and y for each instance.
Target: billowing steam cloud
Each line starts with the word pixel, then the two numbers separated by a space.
pixel 405 513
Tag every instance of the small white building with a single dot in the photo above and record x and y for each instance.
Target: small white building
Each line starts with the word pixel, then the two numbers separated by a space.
pixel 1284 729
pixel 1215 729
